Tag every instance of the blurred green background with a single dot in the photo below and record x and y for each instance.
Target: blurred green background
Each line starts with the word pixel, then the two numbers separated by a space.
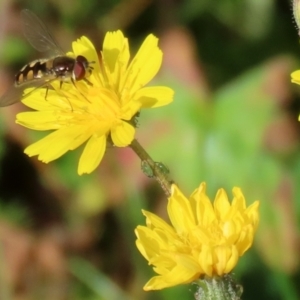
pixel 233 123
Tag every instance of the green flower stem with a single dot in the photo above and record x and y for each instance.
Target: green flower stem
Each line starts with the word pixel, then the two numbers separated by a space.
pixel 218 288
pixel 153 169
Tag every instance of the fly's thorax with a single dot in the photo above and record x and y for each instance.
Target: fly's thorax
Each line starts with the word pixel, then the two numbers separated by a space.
pixel 35 70
pixel 63 67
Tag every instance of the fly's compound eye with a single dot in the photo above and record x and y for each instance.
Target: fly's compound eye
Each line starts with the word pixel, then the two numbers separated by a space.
pixel 81 65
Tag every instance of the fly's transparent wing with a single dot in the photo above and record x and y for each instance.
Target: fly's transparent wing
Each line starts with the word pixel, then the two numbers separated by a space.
pixel 38 35
pixel 14 95
pixel 41 39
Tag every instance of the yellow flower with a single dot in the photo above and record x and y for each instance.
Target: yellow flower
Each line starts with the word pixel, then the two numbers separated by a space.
pixel 296 77
pixel 205 239
pixel 103 109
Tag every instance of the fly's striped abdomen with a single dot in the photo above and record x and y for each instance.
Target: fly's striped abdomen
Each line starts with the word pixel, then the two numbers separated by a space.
pixel 41 68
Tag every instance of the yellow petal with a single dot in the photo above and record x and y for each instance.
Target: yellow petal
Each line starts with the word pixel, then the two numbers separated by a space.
pixel 43 120
pixel 179 275
pixel 180 211
pixel 84 47
pixel 245 241
pixel 145 64
pixel 296 77
pixel 92 154
pixel 56 143
pixel 154 96
pixel 36 99
pixel 202 206
pixel 115 56
pixel 122 134
pixel 147 242
pixel 226 259
pixel 130 109
pixel 206 260
pixel 153 221
pixel 221 204
pixel 252 213
pixel 84 133
pixel 232 261
pixel 239 199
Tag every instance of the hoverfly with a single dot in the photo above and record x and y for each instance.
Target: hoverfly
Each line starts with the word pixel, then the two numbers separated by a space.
pixel 42 72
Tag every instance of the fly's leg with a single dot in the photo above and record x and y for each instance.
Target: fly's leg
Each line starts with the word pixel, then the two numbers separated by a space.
pixel 60 86
pixel 46 94
pixel 87 81
pixel 74 83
